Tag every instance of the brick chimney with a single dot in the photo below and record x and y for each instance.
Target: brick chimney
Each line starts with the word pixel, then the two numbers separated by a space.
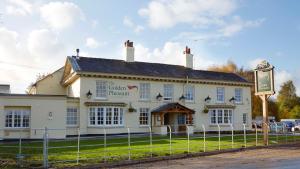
pixel 188 58
pixel 129 51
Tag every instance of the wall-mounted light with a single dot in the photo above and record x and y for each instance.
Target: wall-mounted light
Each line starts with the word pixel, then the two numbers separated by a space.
pixel 207 99
pixel 89 94
pixel 182 98
pixel 232 100
pixel 50 115
pixel 159 97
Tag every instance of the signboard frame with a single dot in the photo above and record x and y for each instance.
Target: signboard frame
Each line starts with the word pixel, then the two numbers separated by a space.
pixel 264 67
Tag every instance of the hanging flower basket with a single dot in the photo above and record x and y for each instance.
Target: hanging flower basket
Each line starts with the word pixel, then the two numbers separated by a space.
pixel 205 110
pixel 131 109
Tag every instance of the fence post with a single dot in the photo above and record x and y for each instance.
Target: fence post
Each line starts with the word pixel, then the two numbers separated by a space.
pixel 276 132
pixel 204 141
pixel 219 131
pixel 20 156
pixel 255 134
pixel 232 142
pixel 188 137
pixel 245 139
pixel 129 146
pixel 78 145
pixel 151 149
pixel 170 148
pixel 286 131
pixel 45 148
pixel 104 144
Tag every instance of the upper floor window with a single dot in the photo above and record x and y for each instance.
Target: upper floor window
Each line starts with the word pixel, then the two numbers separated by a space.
pixel 144 116
pixel 72 116
pixel 238 95
pixel 101 89
pixel 18 118
pixel 220 95
pixel 145 91
pixel 168 91
pixel 189 93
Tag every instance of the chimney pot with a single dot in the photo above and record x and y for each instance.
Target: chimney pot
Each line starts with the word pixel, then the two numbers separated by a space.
pixel 188 58
pixel 129 51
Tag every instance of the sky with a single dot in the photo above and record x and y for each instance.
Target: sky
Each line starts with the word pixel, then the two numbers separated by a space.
pixel 37 36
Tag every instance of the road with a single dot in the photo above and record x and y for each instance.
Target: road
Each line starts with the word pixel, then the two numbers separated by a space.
pixel 283 157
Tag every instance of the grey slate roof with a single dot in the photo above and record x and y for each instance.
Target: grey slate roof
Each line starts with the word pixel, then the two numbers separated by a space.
pixel 168 106
pixel 113 66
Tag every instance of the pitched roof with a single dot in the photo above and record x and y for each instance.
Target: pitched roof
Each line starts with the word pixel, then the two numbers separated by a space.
pixel 170 106
pixel 113 66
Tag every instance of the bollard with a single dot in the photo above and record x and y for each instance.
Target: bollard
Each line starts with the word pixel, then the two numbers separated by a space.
pixel 219 130
pixel 256 134
pixel 104 144
pixel 170 148
pixel 78 145
pixel 151 148
pixel 45 148
pixel 245 139
pixel 232 142
pixel 204 141
pixel 188 139
pixel 129 146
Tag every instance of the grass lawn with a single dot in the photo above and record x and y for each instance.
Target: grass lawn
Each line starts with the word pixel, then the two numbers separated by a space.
pixel 63 153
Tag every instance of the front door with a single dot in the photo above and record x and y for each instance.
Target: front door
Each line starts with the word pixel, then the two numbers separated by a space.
pixel 181 120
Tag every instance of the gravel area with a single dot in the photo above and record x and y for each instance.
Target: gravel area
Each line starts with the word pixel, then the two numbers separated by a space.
pixel 283 157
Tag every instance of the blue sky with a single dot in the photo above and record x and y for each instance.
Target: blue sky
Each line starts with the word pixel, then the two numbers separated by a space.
pixel 36 36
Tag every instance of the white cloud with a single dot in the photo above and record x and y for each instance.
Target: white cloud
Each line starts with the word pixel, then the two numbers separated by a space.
pixel 61 15
pixel 19 7
pixel 168 13
pixel 136 28
pixel 45 48
pixel 253 63
pixel 281 76
pixel 93 43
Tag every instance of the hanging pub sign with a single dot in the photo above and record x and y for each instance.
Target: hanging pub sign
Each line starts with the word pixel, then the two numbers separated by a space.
pixel 264 79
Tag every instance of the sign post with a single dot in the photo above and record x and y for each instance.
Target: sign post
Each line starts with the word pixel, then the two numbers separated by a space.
pixel 264 88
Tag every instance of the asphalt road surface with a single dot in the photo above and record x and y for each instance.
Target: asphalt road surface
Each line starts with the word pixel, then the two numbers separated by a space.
pixel 283 157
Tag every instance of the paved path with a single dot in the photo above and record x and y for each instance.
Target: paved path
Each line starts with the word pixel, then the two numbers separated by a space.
pixel 284 157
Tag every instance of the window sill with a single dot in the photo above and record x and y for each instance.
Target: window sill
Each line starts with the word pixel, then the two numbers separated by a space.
pixel 221 125
pixel 72 126
pixel 144 100
pixel 190 101
pixel 100 98
pixel 106 127
pixel 144 126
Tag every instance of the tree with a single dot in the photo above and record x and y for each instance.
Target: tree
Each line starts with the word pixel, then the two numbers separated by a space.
pixel 287 99
pixel 295 112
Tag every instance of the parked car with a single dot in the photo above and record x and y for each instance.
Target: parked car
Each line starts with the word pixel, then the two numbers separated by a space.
pixel 289 125
pixel 279 125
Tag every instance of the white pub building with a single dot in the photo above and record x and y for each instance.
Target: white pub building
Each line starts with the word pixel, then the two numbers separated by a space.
pixel 95 93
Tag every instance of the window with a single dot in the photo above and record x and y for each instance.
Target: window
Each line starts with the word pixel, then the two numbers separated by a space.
pixel 145 91
pixel 144 116
pixel 17 118
pixel 101 89
pixel 220 95
pixel 189 93
pixel 181 119
pixel 72 116
pixel 106 116
pixel 220 116
pixel 245 118
pixel 168 91
pixel 238 95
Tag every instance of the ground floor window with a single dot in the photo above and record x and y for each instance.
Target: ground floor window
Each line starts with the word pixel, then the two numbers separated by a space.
pixel 220 116
pixel 72 116
pixel 106 116
pixel 245 117
pixel 144 116
pixel 19 118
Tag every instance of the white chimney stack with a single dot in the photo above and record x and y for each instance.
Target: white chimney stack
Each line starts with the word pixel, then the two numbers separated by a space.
pixel 129 51
pixel 188 58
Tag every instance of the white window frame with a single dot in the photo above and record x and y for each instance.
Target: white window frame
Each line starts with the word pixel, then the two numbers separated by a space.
pixel 22 113
pixel 189 93
pixel 106 116
pixel 238 95
pixel 218 114
pixel 144 117
pixel 101 89
pixel 220 94
pixel 168 92
pixel 72 116
pixel 145 91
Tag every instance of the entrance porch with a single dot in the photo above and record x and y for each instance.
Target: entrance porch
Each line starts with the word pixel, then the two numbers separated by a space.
pixel 174 117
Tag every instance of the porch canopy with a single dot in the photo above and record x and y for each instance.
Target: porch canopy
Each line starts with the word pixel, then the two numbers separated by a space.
pixel 171 108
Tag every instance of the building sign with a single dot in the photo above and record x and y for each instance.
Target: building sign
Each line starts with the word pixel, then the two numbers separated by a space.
pixel 120 90
pixel 264 79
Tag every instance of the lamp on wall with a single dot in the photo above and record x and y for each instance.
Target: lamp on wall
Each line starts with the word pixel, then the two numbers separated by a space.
pixel 181 98
pixel 159 97
pixel 232 100
pixel 207 99
pixel 89 94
